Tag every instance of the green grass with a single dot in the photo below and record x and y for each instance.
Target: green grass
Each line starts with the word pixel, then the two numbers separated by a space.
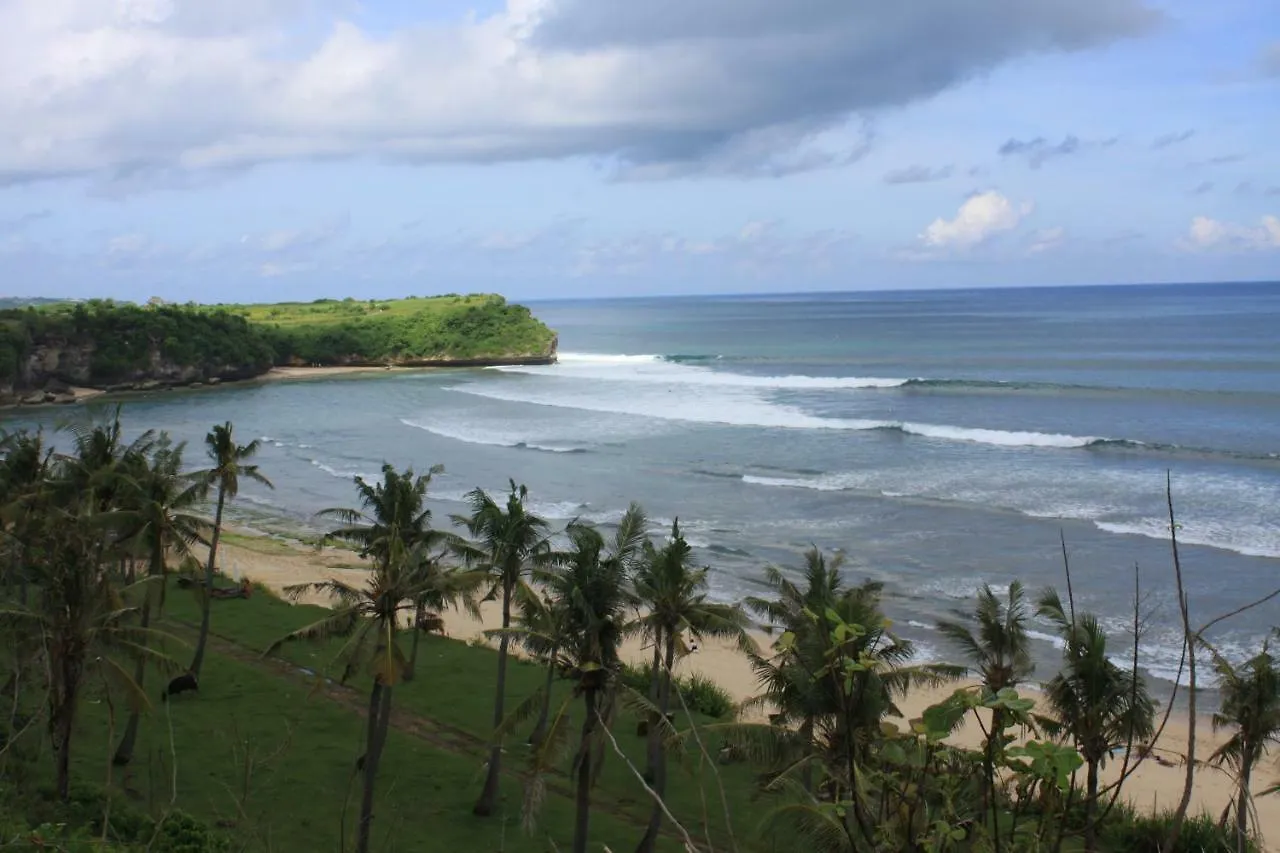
pixel 403 331
pixel 432 770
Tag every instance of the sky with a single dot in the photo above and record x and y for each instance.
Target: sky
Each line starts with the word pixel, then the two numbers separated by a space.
pixel 258 150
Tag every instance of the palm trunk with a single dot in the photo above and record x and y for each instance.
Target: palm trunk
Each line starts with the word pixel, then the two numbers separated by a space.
pixel 1242 805
pixel 659 758
pixel 583 763
pixel 124 752
pixel 489 796
pixel 1091 806
pixel 375 736
pixel 417 635
pixel 206 605
pixel 989 774
pixel 540 728
pixel 64 726
pixel 653 744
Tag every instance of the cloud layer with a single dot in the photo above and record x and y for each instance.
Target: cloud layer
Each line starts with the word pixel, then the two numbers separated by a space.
pixel 663 88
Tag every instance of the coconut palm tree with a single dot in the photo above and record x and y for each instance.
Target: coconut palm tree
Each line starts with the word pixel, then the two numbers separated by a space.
pixel 24 469
pixel 230 464
pixel 828 715
pixel 393 519
pixel 507 543
pixel 540 626
pixel 993 636
pixel 369 617
pixel 672 596
pixel 156 515
pixel 79 625
pixel 1251 709
pixel 591 586
pixel 1099 705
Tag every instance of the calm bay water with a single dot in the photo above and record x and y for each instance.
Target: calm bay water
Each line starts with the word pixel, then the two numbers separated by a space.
pixel 940 439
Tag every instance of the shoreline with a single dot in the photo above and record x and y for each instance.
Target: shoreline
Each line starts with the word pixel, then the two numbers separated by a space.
pixel 1152 787
pixel 78 395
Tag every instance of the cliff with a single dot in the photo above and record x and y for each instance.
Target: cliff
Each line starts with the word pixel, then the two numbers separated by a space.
pixel 46 351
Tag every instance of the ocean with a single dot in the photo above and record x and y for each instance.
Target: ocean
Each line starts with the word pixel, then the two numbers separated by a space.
pixel 940 439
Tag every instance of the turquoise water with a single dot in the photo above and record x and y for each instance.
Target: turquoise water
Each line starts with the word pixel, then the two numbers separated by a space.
pixel 941 439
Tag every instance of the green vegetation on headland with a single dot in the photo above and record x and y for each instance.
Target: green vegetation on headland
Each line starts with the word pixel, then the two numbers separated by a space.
pixel 46 350
pixel 301 728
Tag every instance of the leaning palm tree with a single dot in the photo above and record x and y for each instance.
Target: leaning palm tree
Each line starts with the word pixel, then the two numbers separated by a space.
pixel 1251 708
pixel 230 464
pixel 993 636
pixel 1098 705
pixel 672 596
pixel 591 586
pixel 507 543
pixel 369 618
pixel 157 516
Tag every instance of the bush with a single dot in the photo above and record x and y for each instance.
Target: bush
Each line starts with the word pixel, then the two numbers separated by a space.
pixel 1140 833
pixel 701 694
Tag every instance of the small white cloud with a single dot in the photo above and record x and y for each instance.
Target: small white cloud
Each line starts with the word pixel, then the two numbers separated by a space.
pixel 1208 233
pixel 1046 239
pixel 981 217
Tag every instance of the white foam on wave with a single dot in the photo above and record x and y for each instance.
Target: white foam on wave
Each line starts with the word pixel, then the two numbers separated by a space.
pixel 746 409
pixel 341 473
pixel 653 369
pixel 1245 539
pixel 491 439
pixel 998 437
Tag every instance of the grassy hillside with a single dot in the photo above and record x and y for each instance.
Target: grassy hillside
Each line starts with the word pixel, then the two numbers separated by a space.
pixel 102 343
pixel 416 330
pixel 265 753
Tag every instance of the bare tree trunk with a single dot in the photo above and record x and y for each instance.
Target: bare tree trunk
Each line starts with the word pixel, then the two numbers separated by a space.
pixel 124 752
pixel 207 604
pixel 1242 805
pixel 1190 638
pixel 659 757
pixel 1090 807
pixel 540 728
pixel 378 708
pixel 653 745
pixel 417 635
pixel 489 796
pixel 583 765
pixel 64 717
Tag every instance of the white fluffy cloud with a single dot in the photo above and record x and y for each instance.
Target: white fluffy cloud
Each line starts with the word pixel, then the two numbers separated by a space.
pixel 1207 233
pixel 981 217
pixel 134 87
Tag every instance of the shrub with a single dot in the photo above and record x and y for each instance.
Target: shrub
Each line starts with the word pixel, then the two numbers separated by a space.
pixel 1141 833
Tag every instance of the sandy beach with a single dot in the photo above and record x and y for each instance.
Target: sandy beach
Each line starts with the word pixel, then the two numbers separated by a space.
pixel 1154 786
pixel 283 374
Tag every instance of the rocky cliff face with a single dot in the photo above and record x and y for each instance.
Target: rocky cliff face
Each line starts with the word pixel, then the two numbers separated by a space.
pixel 51 370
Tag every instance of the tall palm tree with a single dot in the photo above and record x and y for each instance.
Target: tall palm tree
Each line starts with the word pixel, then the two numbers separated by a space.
pixel 1099 705
pixel 672 596
pixel 369 617
pixel 540 626
pixel 1251 708
pixel 591 586
pixel 79 626
pixel 393 518
pixel 157 515
pixel 507 543
pixel 230 463
pixel 993 636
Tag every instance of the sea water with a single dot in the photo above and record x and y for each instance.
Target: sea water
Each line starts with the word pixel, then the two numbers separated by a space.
pixel 939 439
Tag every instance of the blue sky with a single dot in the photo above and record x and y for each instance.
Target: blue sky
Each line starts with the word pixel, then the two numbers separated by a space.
pixel 281 149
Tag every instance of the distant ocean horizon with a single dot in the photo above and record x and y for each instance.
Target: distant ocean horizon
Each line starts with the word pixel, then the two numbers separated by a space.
pixel 940 439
